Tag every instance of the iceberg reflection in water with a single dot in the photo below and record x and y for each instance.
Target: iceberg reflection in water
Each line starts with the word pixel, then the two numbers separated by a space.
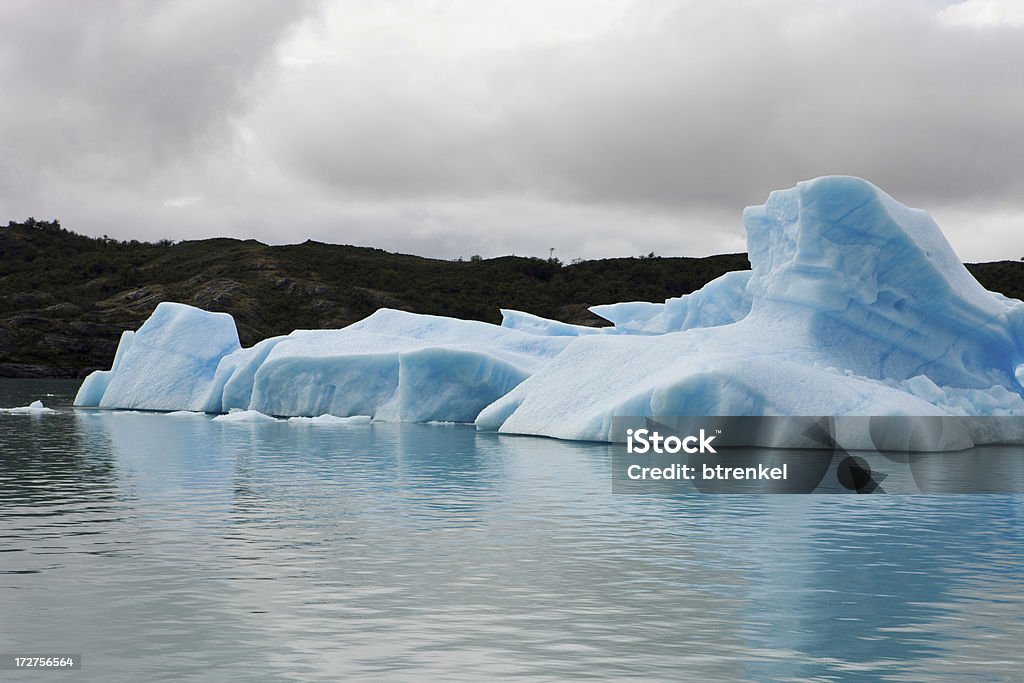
pixel 162 546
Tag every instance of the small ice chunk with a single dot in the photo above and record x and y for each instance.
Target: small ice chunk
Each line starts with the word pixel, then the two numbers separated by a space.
pixel 243 416
pixel 34 408
pixel 331 420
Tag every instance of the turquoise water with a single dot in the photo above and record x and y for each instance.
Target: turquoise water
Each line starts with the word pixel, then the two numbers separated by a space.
pixel 179 548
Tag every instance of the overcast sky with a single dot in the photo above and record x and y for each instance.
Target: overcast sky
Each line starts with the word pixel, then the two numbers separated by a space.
pixel 450 128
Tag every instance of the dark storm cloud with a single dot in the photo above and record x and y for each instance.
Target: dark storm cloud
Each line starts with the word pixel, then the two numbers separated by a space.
pixel 459 127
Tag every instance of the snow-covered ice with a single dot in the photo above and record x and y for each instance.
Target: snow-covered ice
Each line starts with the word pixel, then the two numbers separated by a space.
pixel 855 305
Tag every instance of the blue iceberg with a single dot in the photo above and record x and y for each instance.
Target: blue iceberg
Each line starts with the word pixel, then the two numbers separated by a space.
pixel 394 366
pixel 855 305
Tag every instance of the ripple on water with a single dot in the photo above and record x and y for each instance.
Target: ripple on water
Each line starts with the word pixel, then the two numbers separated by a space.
pixel 166 547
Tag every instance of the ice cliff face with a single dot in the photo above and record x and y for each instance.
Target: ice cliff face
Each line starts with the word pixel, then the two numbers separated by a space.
pixel 167 364
pixel 854 305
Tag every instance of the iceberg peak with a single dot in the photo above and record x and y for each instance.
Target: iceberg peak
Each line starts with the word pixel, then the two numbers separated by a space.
pixel 847 268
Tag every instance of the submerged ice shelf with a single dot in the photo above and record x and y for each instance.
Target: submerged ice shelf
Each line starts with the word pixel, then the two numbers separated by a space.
pixel 855 305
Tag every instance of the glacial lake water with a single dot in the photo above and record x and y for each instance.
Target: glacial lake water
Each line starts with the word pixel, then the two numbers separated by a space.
pixel 179 548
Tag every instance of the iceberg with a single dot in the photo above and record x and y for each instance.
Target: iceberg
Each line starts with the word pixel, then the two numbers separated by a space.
pixel 857 307
pixel 393 366
pixel 854 305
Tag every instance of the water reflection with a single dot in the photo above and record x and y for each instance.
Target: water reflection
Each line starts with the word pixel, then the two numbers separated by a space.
pixel 165 546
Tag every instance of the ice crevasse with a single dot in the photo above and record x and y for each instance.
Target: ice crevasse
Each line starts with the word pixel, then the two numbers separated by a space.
pixel 855 305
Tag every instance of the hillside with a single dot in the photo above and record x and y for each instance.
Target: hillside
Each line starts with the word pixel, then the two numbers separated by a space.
pixel 65 298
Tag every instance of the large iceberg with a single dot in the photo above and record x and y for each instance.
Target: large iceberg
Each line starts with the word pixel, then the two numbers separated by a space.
pixel 393 366
pixel 855 305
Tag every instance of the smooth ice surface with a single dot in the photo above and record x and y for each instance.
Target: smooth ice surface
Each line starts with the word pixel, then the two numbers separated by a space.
pixel 854 305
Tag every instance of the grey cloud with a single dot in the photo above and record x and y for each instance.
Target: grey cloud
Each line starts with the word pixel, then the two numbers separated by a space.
pixel 715 105
pixel 115 91
pixel 176 119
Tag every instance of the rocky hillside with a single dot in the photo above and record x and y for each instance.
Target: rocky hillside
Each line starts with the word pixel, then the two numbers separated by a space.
pixel 65 298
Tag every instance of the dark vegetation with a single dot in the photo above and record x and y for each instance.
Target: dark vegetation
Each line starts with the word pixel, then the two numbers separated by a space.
pixel 1005 277
pixel 66 298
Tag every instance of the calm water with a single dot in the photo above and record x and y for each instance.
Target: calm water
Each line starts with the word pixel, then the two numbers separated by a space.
pixel 169 548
